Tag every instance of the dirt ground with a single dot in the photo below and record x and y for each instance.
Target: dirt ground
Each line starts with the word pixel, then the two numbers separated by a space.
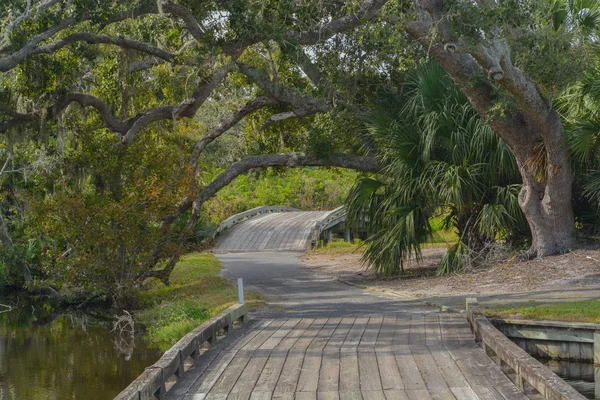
pixel 577 270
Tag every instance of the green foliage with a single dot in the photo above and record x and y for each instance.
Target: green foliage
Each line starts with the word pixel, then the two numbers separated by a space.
pixel 303 188
pixel 439 155
pixel 551 40
pixel 196 293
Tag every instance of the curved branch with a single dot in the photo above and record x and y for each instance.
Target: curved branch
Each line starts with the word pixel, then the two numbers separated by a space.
pixel 15 59
pixel 85 100
pixel 185 109
pixel 350 161
pixel 186 16
pixel 302 104
pixel 228 123
pixel 278 117
pixel 367 11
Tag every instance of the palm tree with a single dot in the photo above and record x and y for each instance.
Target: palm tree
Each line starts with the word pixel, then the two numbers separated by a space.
pixel 440 158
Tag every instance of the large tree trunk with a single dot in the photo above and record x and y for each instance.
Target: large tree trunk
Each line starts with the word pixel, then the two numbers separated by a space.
pixel 545 197
pixel 533 129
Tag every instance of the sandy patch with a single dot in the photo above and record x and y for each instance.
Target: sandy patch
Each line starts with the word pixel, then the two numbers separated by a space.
pixel 578 269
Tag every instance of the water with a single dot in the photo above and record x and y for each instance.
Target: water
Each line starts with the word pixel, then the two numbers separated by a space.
pixel 47 354
pixel 580 375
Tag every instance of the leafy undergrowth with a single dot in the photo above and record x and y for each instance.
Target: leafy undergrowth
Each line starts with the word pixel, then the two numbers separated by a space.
pixel 196 293
pixel 578 311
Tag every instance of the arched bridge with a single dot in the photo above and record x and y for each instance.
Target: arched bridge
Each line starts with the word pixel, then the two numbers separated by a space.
pixel 279 229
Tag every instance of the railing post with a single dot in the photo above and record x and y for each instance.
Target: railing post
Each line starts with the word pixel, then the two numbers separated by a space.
pixel 597 364
pixel 241 290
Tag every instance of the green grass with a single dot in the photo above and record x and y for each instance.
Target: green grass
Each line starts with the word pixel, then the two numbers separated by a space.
pixel 580 311
pixel 337 246
pixel 196 293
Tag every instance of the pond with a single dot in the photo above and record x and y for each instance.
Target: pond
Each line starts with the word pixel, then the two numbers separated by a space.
pixel 48 354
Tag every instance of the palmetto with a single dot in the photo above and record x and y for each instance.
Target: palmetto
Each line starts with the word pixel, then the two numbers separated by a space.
pixel 440 158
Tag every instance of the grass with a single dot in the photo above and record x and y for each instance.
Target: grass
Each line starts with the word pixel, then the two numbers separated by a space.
pixel 579 311
pixel 196 293
pixel 337 246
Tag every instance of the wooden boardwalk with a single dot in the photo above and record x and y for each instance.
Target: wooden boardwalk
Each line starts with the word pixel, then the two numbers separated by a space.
pixel 399 357
pixel 288 231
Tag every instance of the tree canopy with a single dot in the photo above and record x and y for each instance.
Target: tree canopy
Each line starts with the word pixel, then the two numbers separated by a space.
pixel 114 114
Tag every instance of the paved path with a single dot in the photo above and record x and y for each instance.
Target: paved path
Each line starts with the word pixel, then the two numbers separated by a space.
pixel 288 231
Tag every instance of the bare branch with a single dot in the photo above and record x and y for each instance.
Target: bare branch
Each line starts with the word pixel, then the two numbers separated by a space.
pixel 278 117
pixel 185 109
pixel 144 64
pixel 190 22
pixel 15 59
pixel 228 123
pixel 368 10
pixel 12 60
pixel 28 13
pixel 83 99
pixel 302 104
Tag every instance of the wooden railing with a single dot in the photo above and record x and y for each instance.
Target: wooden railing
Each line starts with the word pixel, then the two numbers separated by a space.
pixel 152 382
pixel 506 353
pixel 237 218
pixel 333 218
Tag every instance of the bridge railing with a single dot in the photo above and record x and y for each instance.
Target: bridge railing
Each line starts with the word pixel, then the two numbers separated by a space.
pixel 237 218
pixel 152 382
pixel 527 369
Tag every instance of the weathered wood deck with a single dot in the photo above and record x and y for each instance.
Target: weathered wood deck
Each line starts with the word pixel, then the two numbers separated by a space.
pixel 288 231
pixel 406 356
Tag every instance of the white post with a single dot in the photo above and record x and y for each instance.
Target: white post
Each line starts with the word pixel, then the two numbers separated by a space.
pixel 241 290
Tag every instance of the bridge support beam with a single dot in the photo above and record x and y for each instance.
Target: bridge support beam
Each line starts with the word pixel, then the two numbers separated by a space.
pixel 328 236
pixel 348 237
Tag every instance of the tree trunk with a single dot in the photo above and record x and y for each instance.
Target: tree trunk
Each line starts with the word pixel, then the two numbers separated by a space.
pixel 545 197
pixel 532 130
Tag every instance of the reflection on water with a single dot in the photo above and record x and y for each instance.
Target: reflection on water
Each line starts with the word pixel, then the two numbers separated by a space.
pixel 48 355
pixel 580 375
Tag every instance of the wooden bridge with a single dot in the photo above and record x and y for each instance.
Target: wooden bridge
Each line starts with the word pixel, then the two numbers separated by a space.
pixel 279 229
pixel 362 351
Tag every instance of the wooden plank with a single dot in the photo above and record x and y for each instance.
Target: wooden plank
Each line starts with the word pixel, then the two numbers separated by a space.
pixel 308 380
pixel 306 396
pixel 420 394
pixel 290 373
pixel 230 375
pixel 369 337
pixel 351 396
pixel 368 370
pixel 411 376
pixel 349 376
pixel 388 369
pixel 434 381
pixel 328 395
pixel 356 332
pixel 547 333
pixel 433 335
pixel 330 371
pixel 272 369
pixel 212 374
pixel 417 330
pixel 373 395
pixel 395 395
pixel 386 333
pixel 464 393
